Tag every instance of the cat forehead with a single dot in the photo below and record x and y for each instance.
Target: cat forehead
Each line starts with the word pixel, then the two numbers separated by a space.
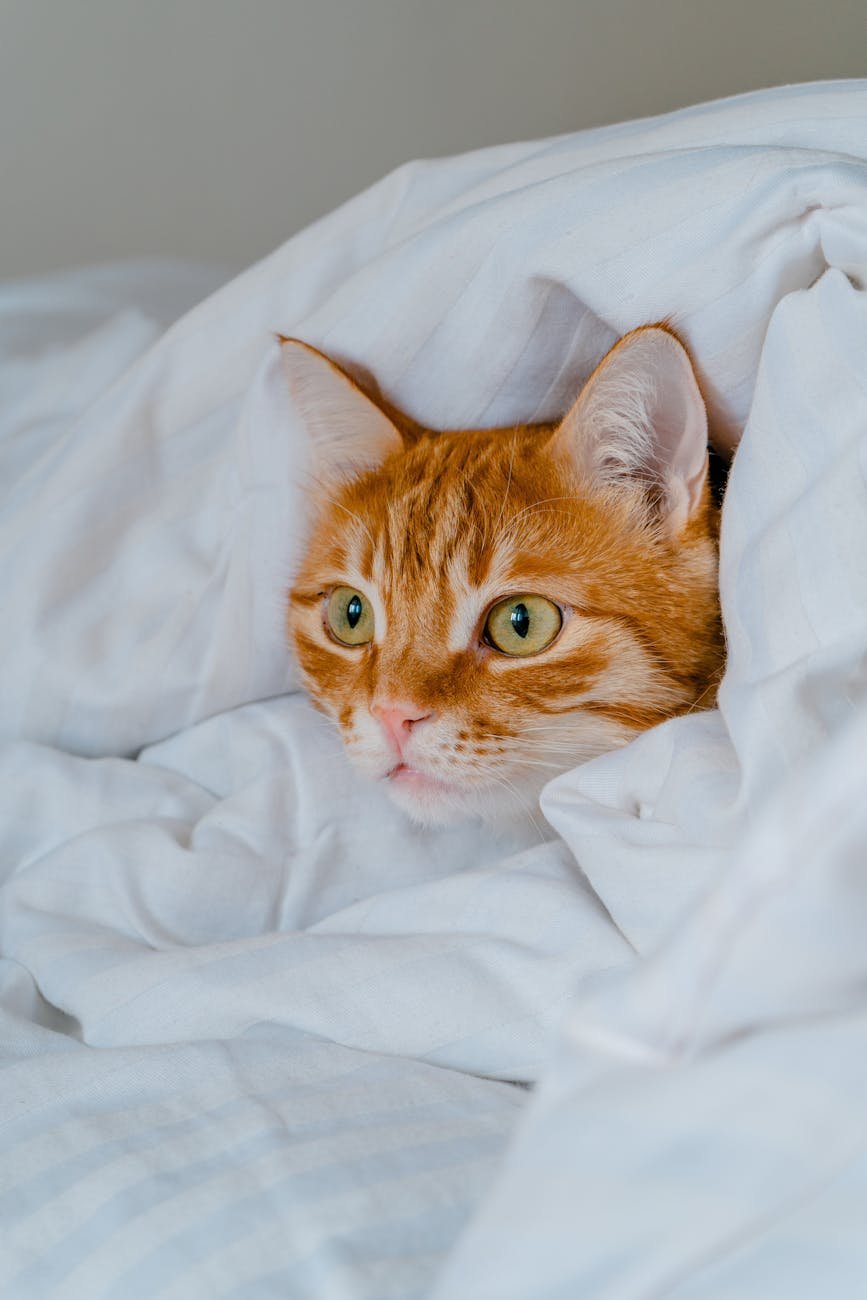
pixel 460 513
pixel 470 467
pixel 460 519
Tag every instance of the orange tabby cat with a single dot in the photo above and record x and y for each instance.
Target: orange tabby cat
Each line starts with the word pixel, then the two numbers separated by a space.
pixel 479 610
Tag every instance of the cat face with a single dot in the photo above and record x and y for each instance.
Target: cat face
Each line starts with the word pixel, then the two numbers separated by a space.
pixel 480 610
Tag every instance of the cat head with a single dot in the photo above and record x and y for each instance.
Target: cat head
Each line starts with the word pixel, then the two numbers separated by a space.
pixel 482 609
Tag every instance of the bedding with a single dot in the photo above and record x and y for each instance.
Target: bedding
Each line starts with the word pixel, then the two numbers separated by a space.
pixel 260 1037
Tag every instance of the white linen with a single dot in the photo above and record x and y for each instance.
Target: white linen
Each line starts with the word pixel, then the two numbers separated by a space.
pixel 232 975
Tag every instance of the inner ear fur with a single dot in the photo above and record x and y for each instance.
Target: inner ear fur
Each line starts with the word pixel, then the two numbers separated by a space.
pixel 349 431
pixel 641 420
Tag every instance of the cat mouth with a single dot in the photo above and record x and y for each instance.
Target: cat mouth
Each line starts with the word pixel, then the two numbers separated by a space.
pixel 414 779
pixel 426 798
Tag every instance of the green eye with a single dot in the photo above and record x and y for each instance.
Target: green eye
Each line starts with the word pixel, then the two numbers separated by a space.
pixel 349 616
pixel 523 625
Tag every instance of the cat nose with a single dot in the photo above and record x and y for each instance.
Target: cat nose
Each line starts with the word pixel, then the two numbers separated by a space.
pixel 398 720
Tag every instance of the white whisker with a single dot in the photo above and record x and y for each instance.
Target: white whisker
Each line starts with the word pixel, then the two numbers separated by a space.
pixel 339 505
pixel 507 785
pixel 508 485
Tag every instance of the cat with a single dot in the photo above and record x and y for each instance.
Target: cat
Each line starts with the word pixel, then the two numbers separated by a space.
pixel 480 610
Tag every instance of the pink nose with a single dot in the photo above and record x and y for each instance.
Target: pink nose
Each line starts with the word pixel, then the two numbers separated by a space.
pixel 398 720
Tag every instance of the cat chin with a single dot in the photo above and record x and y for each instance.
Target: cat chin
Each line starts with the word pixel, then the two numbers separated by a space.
pixel 432 803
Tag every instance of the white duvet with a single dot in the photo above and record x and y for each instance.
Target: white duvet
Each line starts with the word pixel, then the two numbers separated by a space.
pixel 260 1037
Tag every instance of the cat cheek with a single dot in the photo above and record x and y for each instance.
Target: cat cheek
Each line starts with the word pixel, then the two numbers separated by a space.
pixel 364 742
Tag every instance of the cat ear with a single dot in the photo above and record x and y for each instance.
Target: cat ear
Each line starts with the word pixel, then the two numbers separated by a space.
pixel 641 419
pixel 348 432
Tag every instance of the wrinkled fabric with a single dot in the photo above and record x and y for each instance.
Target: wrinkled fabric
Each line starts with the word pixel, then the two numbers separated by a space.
pixel 258 1034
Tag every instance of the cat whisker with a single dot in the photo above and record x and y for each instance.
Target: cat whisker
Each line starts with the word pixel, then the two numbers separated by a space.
pixel 572 496
pixel 507 785
pixel 339 505
pixel 508 484
pixel 538 506
pixel 561 742
pixel 701 704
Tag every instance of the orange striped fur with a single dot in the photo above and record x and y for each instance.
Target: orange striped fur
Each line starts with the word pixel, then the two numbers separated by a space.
pixel 434 528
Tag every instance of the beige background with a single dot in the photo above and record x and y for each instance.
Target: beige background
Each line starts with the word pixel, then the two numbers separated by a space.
pixel 216 128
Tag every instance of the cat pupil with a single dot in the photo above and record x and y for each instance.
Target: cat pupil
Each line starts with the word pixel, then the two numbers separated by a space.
pixel 353 611
pixel 520 619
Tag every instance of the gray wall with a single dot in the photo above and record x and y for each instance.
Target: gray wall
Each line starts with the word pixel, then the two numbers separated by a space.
pixel 215 128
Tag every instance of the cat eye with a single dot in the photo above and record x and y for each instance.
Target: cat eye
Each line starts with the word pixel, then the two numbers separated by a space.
pixel 349 616
pixel 522 625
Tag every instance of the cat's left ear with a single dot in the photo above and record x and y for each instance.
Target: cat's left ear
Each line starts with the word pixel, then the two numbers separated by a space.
pixel 641 420
pixel 348 432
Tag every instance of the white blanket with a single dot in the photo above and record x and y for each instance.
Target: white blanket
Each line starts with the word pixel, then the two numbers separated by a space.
pixel 256 1030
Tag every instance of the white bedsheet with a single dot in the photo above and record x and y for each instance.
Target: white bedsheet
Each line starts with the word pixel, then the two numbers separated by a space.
pixel 256 1030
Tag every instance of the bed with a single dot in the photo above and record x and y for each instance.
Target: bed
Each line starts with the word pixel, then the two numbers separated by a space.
pixel 260 1037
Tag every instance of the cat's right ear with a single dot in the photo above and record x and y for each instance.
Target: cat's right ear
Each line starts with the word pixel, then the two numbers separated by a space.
pixel 348 432
pixel 640 420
